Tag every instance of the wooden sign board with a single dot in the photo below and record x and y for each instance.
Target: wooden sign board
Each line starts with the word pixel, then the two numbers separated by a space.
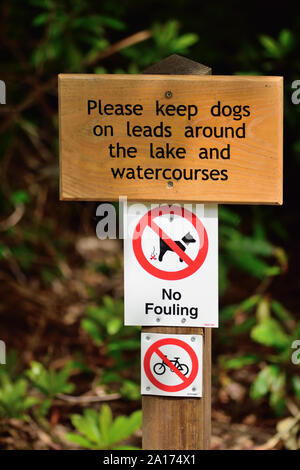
pixel 179 138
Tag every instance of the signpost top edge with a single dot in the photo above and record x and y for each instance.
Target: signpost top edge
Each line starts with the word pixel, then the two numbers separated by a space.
pixel 175 77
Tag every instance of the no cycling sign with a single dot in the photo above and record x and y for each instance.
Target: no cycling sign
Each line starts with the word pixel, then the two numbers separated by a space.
pixel 171 365
pixel 171 265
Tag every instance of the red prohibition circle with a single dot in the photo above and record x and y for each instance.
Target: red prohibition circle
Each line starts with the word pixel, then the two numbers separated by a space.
pixel 177 342
pixel 147 220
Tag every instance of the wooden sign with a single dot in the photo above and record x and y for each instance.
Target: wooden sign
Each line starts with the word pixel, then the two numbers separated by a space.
pixel 180 138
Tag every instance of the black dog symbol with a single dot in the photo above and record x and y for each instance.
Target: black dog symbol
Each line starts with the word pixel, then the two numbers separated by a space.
pixel 163 246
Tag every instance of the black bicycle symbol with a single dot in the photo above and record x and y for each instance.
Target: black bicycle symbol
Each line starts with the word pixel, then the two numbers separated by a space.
pixel 160 368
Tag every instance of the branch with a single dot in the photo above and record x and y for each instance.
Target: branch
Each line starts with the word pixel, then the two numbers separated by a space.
pixel 88 399
pixel 118 46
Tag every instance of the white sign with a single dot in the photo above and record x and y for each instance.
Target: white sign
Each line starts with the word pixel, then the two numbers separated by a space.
pixel 171 365
pixel 171 265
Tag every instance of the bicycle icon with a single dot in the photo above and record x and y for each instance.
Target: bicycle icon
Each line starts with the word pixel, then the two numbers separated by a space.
pixel 160 368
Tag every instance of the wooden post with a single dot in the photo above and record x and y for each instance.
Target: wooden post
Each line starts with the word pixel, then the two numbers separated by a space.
pixel 88 173
pixel 172 422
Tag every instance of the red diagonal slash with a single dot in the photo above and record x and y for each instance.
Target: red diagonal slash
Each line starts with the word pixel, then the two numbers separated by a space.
pixel 182 254
pixel 171 365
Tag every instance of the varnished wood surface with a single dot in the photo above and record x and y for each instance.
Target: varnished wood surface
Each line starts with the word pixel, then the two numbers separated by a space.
pixel 255 166
pixel 173 422
pixel 179 423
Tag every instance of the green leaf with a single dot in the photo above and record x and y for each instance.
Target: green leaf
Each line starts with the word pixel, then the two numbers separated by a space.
pixel 20 197
pixel 105 421
pixel 79 440
pixel 270 333
pixel 112 432
pixel 114 325
pixel 277 402
pixel 241 361
pixel 88 425
pixel 44 407
pixel 227 216
pixel 14 400
pixel 286 39
pixel 281 312
pixel 109 377
pixel 91 327
pixel 243 327
pixel 124 426
pixel 250 303
pixel 262 384
pixel 182 43
pixel 41 19
pixel 50 383
pixel 112 22
pixel 3 251
pixel 130 390
pixel 124 344
pixel 296 385
pixel 263 310
pixel 270 380
pixel 270 46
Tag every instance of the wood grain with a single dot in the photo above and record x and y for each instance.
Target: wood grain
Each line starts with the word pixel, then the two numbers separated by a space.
pixel 255 165
pixel 173 422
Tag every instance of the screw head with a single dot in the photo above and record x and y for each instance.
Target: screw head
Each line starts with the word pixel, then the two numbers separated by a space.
pixel 157 320
pixel 170 184
pixel 183 320
pixel 147 388
pixel 148 338
pixel 194 389
pixel 168 94
pixel 193 339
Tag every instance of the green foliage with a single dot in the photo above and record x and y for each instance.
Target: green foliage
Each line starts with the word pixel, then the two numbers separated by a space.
pixel 166 40
pixel 14 399
pixel 239 361
pixel 104 321
pixel 270 380
pixel 275 335
pixel 20 197
pixel 50 382
pixel 270 333
pixel 10 367
pixel 98 430
pixel 249 254
pixel 82 31
pixel 277 49
pixel 105 325
pixel 130 390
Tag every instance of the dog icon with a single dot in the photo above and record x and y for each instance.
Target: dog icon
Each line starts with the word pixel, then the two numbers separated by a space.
pixel 163 246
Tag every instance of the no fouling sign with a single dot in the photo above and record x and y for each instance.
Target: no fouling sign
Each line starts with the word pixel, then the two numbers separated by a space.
pixel 171 265
pixel 186 138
